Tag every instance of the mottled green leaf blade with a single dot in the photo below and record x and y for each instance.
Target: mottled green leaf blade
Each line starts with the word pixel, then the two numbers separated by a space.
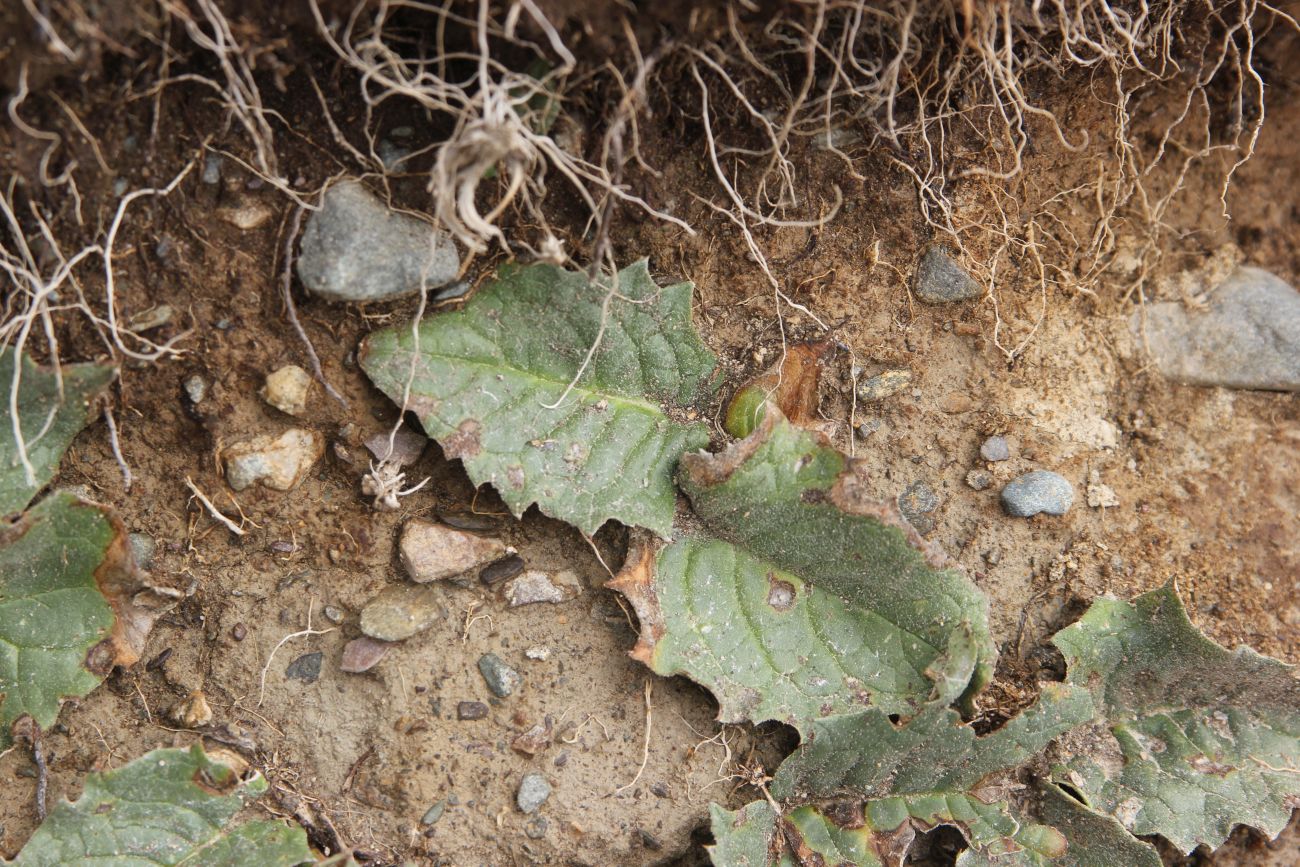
pixel 167 807
pixel 48 421
pixel 52 612
pixel 767 644
pixel 812 600
pixel 492 383
pixel 1196 738
pixel 865 755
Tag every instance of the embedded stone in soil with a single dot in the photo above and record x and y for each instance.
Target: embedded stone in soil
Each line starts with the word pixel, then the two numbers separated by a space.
pixel 533 792
pixel 401 612
pixel 534 586
pixel 941 280
pixel 431 552
pixel 279 463
pixel 501 678
pixel 287 389
pixel 1038 492
pixel 1247 337
pixel 362 654
pixel 357 249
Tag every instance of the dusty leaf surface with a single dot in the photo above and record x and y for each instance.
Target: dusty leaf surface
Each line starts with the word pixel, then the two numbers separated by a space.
pixel 1192 738
pixel 493 383
pixel 810 599
pixel 170 806
pixel 40 404
pixel 67 615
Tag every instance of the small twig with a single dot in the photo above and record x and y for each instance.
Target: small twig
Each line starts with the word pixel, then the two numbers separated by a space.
pixel 261 692
pixel 212 510
pixel 116 446
pixel 645 749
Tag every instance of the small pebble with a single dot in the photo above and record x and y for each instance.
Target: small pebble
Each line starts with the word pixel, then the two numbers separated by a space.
pixel 501 678
pixel 434 813
pixel 192 712
pixel 1041 491
pixel 306 667
pixel 196 388
pixel 1100 495
pixel 279 463
pixel 401 612
pixel 247 216
pixel 538 651
pixel 534 586
pixel 432 552
pixel 536 827
pixel 868 427
pixel 495 573
pixel 533 741
pixel 119 187
pixel 402 447
pixel 287 389
pixel 980 480
pixel 995 449
pixel 941 280
pixel 239 632
pixel 471 710
pixel 459 289
pixel 884 384
pixel 154 317
pixel 533 792
pixel 355 248
pixel 362 654
pixel 916 503
pixel 333 615
pixel 212 169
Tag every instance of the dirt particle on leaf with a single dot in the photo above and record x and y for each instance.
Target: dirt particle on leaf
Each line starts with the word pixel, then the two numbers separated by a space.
pixel 780 594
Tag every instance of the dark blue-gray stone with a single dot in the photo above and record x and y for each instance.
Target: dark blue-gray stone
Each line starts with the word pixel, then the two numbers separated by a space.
pixel 501 678
pixel 1039 491
pixel 940 280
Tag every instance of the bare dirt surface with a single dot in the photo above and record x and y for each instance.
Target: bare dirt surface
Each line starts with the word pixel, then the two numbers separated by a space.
pixel 1207 483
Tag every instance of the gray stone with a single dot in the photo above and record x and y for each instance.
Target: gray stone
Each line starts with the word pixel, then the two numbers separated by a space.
pixel 940 280
pixel 196 388
pixel 362 654
pixel 432 552
pixel 916 503
pixel 356 248
pixel 402 448
pixel 980 480
pixel 995 449
pixel 471 710
pixel 1039 491
pixel 533 792
pixel 501 678
pixel 536 827
pixel 434 813
pixel 279 463
pixel 212 169
pixel 401 612
pixel 1248 337
pixel 306 667
pixel 534 586
pixel 884 384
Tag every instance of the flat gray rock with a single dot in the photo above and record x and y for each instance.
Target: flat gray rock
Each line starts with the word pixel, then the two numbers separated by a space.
pixel 940 280
pixel 356 248
pixel 1038 492
pixel 1249 337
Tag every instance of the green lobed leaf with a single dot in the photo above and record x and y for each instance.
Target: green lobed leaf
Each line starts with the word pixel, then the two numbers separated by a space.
pixel 170 806
pixel 860 787
pixel 1195 739
pixel 812 601
pixel 48 420
pixel 486 377
pixel 56 626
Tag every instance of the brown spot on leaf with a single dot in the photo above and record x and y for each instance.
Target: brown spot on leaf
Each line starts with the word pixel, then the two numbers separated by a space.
pixel 792 382
pixel 845 814
pixel 515 476
pixel 636 582
pixel 464 443
pixel 780 594
pixel 135 602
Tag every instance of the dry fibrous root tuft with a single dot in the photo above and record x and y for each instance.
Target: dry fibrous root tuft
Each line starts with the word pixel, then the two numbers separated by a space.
pixel 500 149
pixel 945 91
